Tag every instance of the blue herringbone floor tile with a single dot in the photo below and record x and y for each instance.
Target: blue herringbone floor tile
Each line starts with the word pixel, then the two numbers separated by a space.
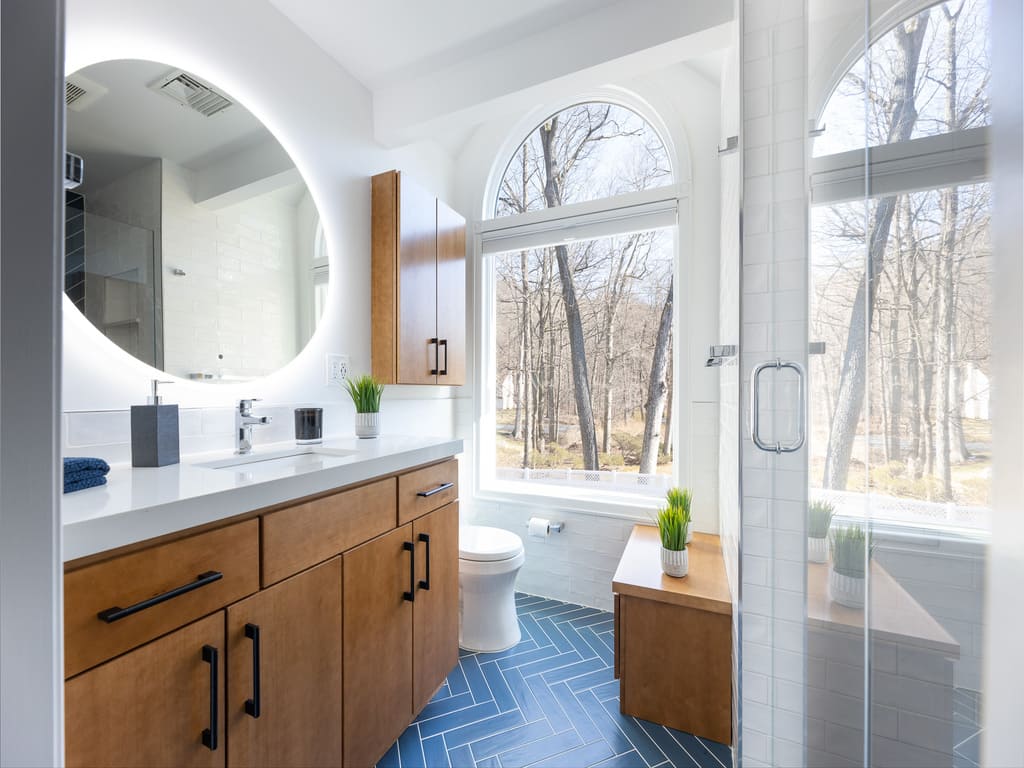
pixel 549 702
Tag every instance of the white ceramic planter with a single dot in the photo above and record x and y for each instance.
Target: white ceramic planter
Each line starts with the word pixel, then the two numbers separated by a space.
pixel 846 590
pixel 817 550
pixel 367 424
pixel 689 533
pixel 675 562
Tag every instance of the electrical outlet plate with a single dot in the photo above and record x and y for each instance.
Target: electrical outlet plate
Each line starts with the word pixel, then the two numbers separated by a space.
pixel 337 369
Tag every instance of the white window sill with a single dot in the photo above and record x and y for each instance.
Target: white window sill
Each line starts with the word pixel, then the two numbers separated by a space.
pixel 600 503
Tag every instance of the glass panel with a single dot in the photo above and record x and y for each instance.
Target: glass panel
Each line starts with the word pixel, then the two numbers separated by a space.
pixel 120 293
pixel 557 395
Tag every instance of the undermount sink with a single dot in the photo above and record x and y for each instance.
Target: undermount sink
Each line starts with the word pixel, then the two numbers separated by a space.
pixel 272 461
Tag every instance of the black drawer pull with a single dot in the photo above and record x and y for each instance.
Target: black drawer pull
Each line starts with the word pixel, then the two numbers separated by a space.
pixel 409 547
pixel 252 706
pixel 433 371
pixel 425 583
pixel 444 371
pixel 210 734
pixel 432 491
pixel 110 615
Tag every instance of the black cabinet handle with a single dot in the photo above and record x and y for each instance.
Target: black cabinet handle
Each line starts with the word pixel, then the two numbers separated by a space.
pixel 432 491
pixel 210 734
pixel 425 583
pixel 409 547
pixel 110 615
pixel 252 706
pixel 433 371
pixel 444 343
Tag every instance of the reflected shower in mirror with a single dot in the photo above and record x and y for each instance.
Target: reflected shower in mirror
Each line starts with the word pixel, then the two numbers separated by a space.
pixel 192 242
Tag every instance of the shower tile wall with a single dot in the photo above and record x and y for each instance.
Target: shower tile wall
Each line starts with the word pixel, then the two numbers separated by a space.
pixel 773 325
pixel 74 248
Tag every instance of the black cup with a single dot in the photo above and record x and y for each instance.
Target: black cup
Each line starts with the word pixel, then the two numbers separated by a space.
pixel 309 425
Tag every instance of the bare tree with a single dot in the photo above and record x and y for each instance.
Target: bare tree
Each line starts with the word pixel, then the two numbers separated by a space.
pixel 657 387
pixel 902 116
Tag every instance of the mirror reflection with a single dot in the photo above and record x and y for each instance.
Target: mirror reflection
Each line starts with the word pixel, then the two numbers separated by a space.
pixel 192 241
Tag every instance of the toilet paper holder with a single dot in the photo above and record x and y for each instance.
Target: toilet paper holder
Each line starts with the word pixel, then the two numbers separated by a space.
pixel 553 526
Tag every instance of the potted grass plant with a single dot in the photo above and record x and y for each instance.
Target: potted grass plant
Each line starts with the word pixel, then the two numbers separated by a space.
pixel 365 393
pixel 819 521
pixel 682 499
pixel 673 525
pixel 846 574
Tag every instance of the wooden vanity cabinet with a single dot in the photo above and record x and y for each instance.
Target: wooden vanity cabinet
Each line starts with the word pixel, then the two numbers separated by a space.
pixel 355 628
pixel 377 645
pixel 435 630
pixel 152 706
pixel 284 672
pixel 401 608
pixel 418 291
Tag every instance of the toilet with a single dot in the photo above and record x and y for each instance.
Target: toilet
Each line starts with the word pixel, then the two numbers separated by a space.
pixel 489 560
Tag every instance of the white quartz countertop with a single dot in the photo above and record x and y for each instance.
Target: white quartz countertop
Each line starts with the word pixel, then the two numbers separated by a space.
pixel 142 503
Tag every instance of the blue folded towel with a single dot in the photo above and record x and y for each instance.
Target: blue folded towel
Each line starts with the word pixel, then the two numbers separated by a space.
pixel 85 474
pixel 82 472
pixel 84 463
pixel 83 483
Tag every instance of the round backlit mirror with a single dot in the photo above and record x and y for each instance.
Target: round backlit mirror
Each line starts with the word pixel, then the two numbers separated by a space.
pixel 192 241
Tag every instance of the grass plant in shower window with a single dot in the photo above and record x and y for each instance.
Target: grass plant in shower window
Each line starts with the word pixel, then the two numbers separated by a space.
pixel 819 522
pixel 850 552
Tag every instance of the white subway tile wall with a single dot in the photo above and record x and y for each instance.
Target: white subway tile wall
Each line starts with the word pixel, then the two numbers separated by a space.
pixel 234 310
pixel 774 317
pixel 107 434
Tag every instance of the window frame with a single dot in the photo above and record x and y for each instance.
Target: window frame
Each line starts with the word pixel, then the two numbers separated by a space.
pixel 606 212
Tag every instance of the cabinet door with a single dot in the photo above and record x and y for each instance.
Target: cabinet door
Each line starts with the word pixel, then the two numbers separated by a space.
pixel 284 677
pixel 451 295
pixel 154 706
pixel 436 610
pixel 417 284
pixel 377 645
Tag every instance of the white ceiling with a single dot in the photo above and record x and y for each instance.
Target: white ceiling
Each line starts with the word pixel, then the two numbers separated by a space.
pixel 131 123
pixel 380 42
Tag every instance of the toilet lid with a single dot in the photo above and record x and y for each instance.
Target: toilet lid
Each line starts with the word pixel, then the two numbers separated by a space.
pixel 483 544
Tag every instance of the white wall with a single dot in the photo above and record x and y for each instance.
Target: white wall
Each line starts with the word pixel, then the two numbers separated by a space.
pixel 323 118
pixel 684 106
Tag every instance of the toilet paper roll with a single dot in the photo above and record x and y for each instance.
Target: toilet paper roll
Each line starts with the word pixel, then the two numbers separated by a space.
pixel 539 527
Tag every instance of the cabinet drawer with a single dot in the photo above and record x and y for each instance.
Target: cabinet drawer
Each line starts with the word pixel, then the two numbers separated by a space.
pixel 148 593
pixel 424 490
pixel 302 536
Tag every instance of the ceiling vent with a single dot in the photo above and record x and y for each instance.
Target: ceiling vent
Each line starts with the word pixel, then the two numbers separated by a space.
pixel 80 92
pixel 189 91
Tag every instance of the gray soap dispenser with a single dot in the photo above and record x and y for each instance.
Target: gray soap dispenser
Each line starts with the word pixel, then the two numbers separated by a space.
pixel 154 431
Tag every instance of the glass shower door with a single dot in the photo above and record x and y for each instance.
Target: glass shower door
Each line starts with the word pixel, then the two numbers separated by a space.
pixel 900 450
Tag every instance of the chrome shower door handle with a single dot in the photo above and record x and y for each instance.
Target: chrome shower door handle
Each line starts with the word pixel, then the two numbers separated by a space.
pixel 755 407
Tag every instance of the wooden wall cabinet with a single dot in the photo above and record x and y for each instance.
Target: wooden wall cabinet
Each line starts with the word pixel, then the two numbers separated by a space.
pixel 355 628
pixel 418 285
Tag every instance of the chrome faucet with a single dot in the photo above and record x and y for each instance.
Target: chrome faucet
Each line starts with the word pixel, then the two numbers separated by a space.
pixel 244 422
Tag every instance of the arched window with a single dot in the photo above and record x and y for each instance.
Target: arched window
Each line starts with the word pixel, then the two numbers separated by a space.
pixel 586 152
pixel 581 258
pixel 900 276
pixel 941 54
